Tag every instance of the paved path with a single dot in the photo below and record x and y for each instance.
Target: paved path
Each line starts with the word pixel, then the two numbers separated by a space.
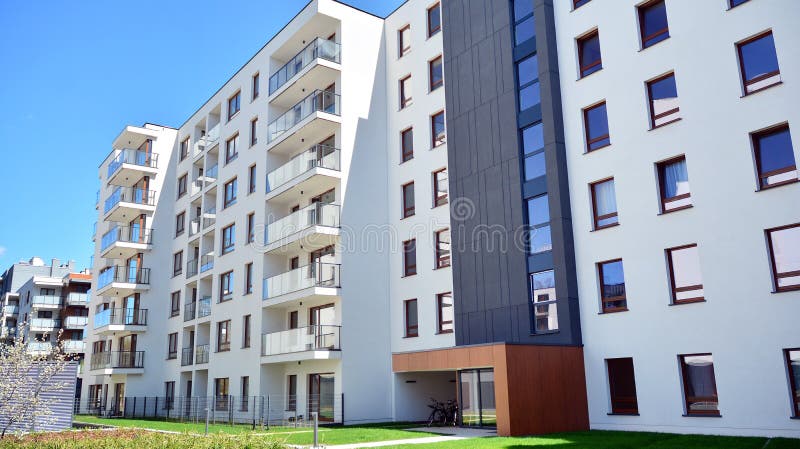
pixel 451 434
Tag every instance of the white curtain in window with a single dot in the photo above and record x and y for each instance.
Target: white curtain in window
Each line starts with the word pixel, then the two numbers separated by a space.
pixel 605 197
pixel 676 179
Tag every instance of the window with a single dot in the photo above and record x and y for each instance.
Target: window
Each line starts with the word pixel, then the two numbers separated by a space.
pixel 604 204
pixel 612 286
pixel 774 157
pixel 411 319
pixel 248 278
pixel 589 53
pixel 407 144
pixel 245 394
pixel 595 123
pixel 294 319
pixel 684 274
pixel 435 74
pixel 442 248
pixel 230 193
pixel 663 95
pixel 543 299
pixel 622 386
pixel 404 40
pixel 410 257
pixel 175 304
pixel 440 187
pixel 408 199
pixel 524 26
pixel 438 136
pixel 539 224
pixel 177 263
pixel 533 149
pixel 784 246
pixel 221 385
pixel 653 26
pixel 734 3
pixel 434 20
pixel 172 346
pixel 578 3
pixel 758 63
pixel 251 179
pixel 291 393
pixel 228 238
pixel 246 331
pixel 224 336
pixel 251 227
pixel 254 131
pixel 674 185
pixel 184 148
pixel 232 148
pixel 699 385
pixel 405 92
pixel 226 286
pixel 169 394
pixel 182 185
pixel 528 78
pixel 444 306
pixel 234 104
pixel 180 223
pixel 256 85
pixel 793 365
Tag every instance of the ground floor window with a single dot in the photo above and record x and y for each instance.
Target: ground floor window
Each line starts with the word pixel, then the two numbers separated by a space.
pixel 476 397
pixel 699 384
pixel 622 386
pixel 793 363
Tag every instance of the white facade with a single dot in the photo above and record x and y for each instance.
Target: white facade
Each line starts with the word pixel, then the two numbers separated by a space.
pixel 741 323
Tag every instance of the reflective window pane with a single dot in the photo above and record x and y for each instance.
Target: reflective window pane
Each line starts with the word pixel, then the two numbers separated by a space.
pixel 524 31
pixel 785 251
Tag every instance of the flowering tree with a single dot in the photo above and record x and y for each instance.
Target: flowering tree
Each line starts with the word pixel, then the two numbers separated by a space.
pixel 27 381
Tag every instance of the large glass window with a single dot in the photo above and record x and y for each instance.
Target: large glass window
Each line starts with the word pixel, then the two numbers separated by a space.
pixel 684 272
pixel 793 365
pixel 758 63
pixel 699 384
pixel 784 245
pixel 622 386
pixel 604 202
pixel 663 94
pixel 774 157
pixel 528 76
pixel 524 26
pixel 673 181
pixel 589 54
pixel 612 286
pixel 539 224
pixel 595 123
pixel 543 299
pixel 533 149
pixel 476 398
pixel 653 26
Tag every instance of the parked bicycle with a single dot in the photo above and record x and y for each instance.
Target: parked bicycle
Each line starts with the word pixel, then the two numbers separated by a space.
pixel 443 413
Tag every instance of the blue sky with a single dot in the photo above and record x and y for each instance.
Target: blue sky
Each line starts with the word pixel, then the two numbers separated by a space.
pixel 75 73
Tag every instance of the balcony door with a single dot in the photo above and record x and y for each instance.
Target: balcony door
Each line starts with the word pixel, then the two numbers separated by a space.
pixel 320 264
pixel 117 403
pixel 144 153
pixel 132 268
pixel 320 319
pixel 136 230
pixel 321 397
pixel 130 310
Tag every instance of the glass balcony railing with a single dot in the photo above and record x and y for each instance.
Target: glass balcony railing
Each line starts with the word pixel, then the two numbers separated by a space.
pixel 132 157
pixel 11 310
pixel 317 214
pixel 309 338
pixel 128 275
pixel 39 347
pixel 211 174
pixel 207 141
pixel 46 301
pixel 194 227
pixel 44 324
pixel 189 311
pixel 313 275
pixel 78 299
pixel 322 156
pixel 117 359
pixel 187 356
pixel 120 317
pixel 204 307
pixel 318 101
pixel 201 353
pixel 191 268
pixel 73 346
pixel 125 234
pixel 76 321
pixel 133 195
pixel 318 48
pixel 209 217
pixel 206 263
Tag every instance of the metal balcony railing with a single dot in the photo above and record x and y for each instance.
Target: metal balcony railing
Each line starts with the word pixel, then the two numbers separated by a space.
pixel 204 307
pixel 322 156
pixel 187 356
pixel 117 359
pixel 132 157
pixel 318 101
pixel 316 214
pixel 191 268
pixel 133 195
pixel 189 310
pixel 120 317
pixel 313 275
pixel 46 301
pixel 129 275
pixel 308 338
pixel 125 234
pixel 201 354
pixel 44 324
pixel 318 48
pixel 78 299
pixel 206 263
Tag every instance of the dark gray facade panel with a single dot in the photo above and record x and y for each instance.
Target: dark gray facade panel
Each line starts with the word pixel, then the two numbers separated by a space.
pixel 490 263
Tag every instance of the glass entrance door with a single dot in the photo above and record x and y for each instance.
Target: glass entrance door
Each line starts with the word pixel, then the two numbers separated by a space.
pixel 321 396
pixel 476 398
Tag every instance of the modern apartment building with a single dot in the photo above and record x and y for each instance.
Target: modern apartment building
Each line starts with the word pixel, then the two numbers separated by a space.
pixel 447 202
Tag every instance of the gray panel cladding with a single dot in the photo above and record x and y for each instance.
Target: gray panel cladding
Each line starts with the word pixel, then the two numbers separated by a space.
pixel 61 403
pixel 487 208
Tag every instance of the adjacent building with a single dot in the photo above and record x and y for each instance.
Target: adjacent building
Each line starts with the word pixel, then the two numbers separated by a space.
pixel 504 203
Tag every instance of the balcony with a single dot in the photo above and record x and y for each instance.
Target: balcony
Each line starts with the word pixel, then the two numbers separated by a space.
pixel 46 302
pixel 78 299
pixel 76 322
pixel 191 268
pixel 8 331
pixel 117 362
pixel 211 175
pixel 39 347
pixel 44 325
pixel 129 166
pixel 189 311
pixel 204 307
pixel 206 263
pixel 123 281
pixel 209 218
pixel 315 65
pixel 121 320
pixel 316 281
pixel 206 142
pixel 194 227
pixel 125 241
pixel 187 356
pixel 74 346
pixel 312 227
pixel 124 203
pixel 313 119
pixel 11 310
pixel 314 170
pixel 305 343
pixel 201 354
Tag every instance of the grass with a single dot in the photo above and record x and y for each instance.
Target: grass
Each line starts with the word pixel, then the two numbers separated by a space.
pixel 133 439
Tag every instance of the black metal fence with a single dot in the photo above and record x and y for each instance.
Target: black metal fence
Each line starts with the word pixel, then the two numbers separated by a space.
pixel 271 410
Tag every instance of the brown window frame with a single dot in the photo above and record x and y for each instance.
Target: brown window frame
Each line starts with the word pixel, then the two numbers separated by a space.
pixel 755 139
pixel 227 202
pixel 431 84
pixel 406 154
pixel 291 392
pixel 762 77
pixel 248 278
pixel 640 12
pixel 433 30
pixel 434 142
pixel 251 227
pixel 238 97
pixel 441 323
pixel 251 179
pixel 441 260
pixel 172 346
pixel 253 131
pixel 581 40
pixel 177 263
pixel 653 115
pixel 184 148
pixel 224 344
pixel 576 5
pixel 691 399
pixel 439 200
pixel 183 185
pixel 402 48
pixel 230 157
pixel 774 268
pixel 611 299
pixel 228 241
pixel 246 322
pixel 411 331
pixel 409 246
pixel 662 188
pixel 223 296
pixel 595 217
pixel 255 85
pixel 589 140
pixel 621 405
pixel 794 387
pixel 175 300
pixel 408 211
pixel 180 223
pixel 688 288
pixel 406 98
